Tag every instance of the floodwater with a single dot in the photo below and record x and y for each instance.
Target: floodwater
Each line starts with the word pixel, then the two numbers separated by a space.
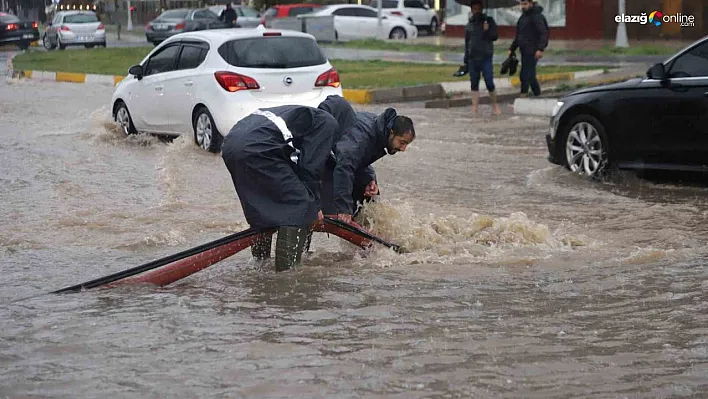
pixel 522 280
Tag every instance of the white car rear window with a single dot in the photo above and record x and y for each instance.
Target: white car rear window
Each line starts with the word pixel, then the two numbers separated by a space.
pixel 272 52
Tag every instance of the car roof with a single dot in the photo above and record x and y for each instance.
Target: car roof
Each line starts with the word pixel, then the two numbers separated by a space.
pixel 297 5
pixel 220 36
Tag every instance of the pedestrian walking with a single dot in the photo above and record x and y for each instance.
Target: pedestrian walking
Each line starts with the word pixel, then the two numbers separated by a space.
pixel 480 35
pixel 531 40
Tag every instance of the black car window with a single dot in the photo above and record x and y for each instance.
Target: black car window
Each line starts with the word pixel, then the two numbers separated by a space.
pixel 162 61
pixel 345 12
pixel 693 63
pixel 8 18
pixel 80 19
pixel 412 4
pixel 275 52
pixel 363 12
pixel 191 57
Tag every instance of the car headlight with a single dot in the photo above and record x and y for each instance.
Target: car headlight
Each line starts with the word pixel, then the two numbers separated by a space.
pixel 557 108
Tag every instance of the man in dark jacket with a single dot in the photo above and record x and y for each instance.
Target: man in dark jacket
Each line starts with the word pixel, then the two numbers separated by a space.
pixel 365 186
pixel 531 39
pixel 276 157
pixel 480 34
pixel 360 141
pixel 229 16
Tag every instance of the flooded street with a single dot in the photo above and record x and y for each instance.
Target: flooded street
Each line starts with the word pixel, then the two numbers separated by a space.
pixel 521 281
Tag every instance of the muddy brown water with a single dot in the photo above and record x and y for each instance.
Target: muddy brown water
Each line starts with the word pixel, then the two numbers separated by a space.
pixel 522 281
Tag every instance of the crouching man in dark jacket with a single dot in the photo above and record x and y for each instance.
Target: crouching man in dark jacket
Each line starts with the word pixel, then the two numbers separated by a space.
pixel 361 139
pixel 276 157
pixel 531 39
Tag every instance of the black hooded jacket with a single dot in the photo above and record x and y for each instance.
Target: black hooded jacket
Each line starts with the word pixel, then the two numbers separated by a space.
pixel 531 31
pixel 357 144
pixel 479 44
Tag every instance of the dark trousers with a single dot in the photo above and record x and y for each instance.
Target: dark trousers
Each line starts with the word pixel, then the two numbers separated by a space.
pixel 485 68
pixel 528 74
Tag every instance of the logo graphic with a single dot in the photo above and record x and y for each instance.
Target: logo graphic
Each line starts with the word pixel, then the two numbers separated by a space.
pixel 288 81
pixel 655 18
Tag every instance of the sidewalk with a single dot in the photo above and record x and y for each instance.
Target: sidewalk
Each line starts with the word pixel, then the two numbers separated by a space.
pixel 137 35
pixel 553 90
pixel 457 58
pixel 554 44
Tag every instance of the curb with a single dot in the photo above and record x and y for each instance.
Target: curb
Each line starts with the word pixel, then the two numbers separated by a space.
pixel 395 94
pixel 108 80
pixel 504 83
pixel 534 106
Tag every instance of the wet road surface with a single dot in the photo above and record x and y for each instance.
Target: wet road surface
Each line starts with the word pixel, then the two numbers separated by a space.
pixel 522 280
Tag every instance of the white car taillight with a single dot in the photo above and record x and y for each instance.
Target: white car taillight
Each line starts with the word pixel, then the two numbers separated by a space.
pixel 233 82
pixel 329 78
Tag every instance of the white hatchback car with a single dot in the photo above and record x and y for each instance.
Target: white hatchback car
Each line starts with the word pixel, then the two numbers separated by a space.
pixel 353 22
pixel 417 11
pixel 203 82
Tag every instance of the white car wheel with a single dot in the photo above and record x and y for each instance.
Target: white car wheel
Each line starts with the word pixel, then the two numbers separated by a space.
pixel 397 34
pixel 206 135
pixel 123 119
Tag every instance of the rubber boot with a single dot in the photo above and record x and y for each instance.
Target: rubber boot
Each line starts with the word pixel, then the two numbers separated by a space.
pixel 495 105
pixel 261 248
pixel 475 103
pixel 289 246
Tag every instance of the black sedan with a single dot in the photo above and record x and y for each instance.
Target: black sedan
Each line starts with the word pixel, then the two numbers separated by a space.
pixel 659 122
pixel 180 20
pixel 16 31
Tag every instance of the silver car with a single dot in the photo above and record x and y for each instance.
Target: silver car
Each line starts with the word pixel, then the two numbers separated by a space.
pixel 247 17
pixel 74 28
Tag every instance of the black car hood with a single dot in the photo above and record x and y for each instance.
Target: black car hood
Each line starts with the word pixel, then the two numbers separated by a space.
pixel 628 84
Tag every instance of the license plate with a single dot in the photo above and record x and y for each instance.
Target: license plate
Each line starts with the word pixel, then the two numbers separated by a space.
pixel 27 36
pixel 85 38
pixel 160 26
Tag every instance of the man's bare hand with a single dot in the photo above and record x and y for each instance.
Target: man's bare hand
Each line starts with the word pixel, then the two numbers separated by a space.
pixel 371 189
pixel 345 217
pixel 486 25
pixel 539 55
pixel 320 216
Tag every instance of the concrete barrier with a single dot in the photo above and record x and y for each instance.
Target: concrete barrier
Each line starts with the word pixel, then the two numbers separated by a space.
pixel 534 106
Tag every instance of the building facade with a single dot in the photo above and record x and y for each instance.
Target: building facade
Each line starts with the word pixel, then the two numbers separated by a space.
pixel 594 19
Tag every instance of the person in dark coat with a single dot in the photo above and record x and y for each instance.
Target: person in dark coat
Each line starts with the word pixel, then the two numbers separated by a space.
pixel 276 157
pixel 480 35
pixel 229 16
pixel 365 186
pixel 531 40
pixel 362 138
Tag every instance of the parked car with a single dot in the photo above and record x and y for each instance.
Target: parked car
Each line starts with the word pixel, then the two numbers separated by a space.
pixel 172 22
pixel 247 17
pixel 16 31
pixel 74 28
pixel 416 11
pixel 287 10
pixel 361 22
pixel 202 83
pixel 659 121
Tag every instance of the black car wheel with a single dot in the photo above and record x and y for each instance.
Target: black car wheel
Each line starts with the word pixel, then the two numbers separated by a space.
pixel 23 45
pixel 433 28
pixel 61 46
pixel 584 146
pixel 88 45
pixel 206 135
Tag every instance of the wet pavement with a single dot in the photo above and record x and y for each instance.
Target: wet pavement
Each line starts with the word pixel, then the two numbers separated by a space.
pixel 521 281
